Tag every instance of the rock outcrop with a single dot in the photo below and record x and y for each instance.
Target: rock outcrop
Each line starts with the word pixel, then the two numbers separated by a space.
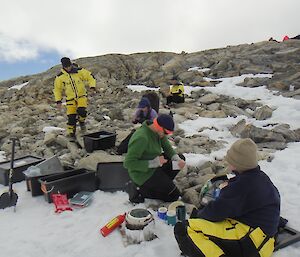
pixel 26 112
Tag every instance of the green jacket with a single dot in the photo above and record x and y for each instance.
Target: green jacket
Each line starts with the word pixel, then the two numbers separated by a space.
pixel 145 145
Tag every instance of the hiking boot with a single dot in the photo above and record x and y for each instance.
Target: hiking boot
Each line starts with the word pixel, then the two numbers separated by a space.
pixel 133 192
pixel 82 127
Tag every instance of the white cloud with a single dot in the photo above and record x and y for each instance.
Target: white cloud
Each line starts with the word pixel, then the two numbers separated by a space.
pixel 13 50
pixel 95 27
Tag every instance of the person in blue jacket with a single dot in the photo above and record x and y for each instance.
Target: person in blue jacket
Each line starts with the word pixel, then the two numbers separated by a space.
pixel 144 111
pixel 243 220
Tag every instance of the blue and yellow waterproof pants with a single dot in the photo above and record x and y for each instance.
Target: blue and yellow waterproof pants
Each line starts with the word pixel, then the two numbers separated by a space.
pixel 199 237
pixel 76 110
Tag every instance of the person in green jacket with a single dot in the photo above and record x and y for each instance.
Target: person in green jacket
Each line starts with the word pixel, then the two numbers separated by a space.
pixel 149 161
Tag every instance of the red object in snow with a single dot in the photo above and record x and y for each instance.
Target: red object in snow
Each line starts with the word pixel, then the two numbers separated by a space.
pixel 285 38
pixel 61 203
pixel 112 225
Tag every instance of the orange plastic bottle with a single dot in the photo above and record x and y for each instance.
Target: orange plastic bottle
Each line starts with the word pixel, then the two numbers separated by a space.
pixel 112 224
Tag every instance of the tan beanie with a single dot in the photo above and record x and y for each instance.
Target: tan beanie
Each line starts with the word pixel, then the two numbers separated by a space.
pixel 242 155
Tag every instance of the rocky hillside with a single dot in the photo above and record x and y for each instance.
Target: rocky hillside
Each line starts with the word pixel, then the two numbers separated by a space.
pixel 25 112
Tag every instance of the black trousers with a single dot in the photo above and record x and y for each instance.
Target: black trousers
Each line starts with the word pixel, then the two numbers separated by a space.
pixel 175 99
pixel 160 185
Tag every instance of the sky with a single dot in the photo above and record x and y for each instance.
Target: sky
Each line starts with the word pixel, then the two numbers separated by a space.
pixel 35 230
pixel 35 34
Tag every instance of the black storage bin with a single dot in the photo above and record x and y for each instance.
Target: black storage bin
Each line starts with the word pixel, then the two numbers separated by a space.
pixel 112 176
pixel 33 184
pixel 99 141
pixel 68 183
pixel 20 164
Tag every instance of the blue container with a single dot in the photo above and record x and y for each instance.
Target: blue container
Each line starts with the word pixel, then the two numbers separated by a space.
pixel 217 192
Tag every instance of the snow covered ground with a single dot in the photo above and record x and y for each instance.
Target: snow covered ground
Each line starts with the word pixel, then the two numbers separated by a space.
pixel 34 230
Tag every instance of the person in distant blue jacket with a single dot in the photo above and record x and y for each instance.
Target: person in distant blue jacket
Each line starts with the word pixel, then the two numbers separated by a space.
pixel 243 220
pixel 144 111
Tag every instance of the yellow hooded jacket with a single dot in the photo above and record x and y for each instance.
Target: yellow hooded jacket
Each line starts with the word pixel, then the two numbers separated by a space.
pixel 73 83
pixel 177 89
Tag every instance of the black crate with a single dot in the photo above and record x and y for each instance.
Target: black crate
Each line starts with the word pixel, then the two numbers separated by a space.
pixel 68 183
pixel 112 176
pixel 34 186
pixel 99 141
pixel 20 164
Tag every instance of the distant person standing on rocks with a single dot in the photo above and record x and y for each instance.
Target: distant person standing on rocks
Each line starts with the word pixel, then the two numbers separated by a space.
pixel 72 81
pixel 176 94
pixel 287 37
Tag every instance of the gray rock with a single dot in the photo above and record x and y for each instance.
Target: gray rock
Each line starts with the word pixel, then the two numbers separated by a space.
pixel 259 135
pixel 208 99
pixel 272 145
pixel 284 130
pixel 191 196
pixel 232 110
pixel 263 113
pixel 90 162
pixel 49 138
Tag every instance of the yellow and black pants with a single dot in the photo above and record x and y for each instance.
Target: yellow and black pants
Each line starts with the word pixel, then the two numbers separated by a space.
pixel 76 110
pixel 228 238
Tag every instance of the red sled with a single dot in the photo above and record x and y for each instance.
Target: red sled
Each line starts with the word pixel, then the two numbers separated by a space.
pixel 61 203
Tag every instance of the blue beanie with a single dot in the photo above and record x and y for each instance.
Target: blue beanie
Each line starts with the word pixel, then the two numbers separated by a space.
pixel 166 121
pixel 144 103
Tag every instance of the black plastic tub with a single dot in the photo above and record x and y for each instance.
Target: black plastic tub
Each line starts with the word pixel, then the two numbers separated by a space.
pixel 112 176
pixel 68 183
pixel 20 164
pixel 33 183
pixel 99 141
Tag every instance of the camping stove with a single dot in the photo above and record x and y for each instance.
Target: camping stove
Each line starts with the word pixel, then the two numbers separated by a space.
pixel 139 226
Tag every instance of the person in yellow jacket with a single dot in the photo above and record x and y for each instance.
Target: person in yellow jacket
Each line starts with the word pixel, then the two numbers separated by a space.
pixel 176 92
pixel 72 81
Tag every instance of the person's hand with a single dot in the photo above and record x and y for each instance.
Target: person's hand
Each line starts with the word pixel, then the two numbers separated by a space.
pixel 162 160
pixel 157 162
pixel 224 184
pixel 93 91
pixel 181 164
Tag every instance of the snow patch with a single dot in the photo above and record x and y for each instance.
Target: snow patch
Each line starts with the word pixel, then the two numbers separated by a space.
pixel 18 86
pixel 50 129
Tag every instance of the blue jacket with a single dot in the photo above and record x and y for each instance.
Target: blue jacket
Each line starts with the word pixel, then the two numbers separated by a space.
pixel 250 198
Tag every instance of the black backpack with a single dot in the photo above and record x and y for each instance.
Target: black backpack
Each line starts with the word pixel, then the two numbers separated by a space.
pixel 153 99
